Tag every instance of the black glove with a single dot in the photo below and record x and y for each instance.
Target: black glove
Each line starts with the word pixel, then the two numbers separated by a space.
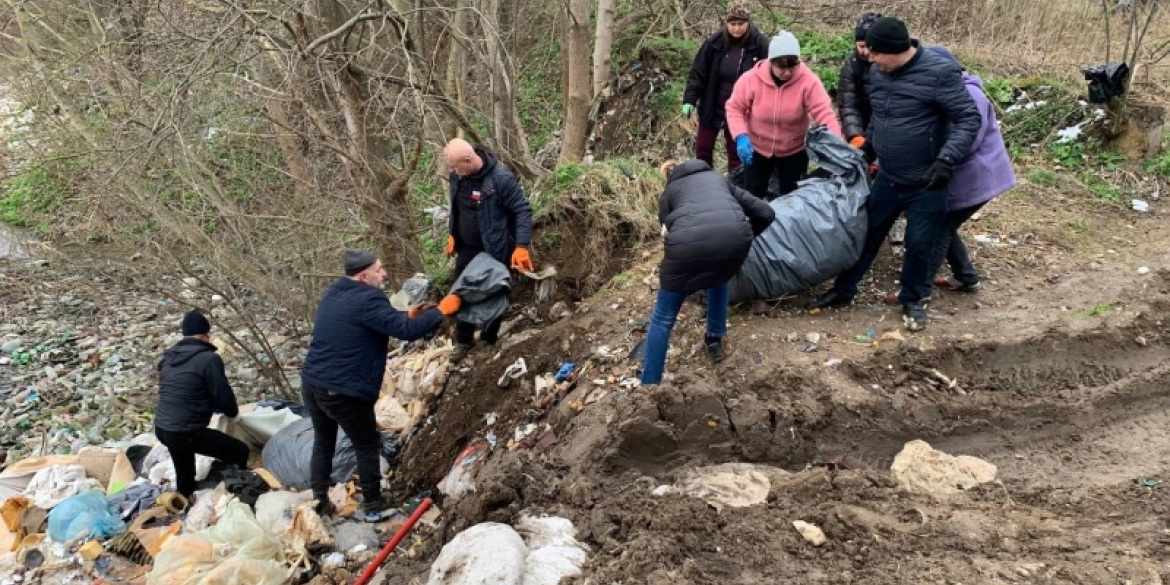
pixel 940 175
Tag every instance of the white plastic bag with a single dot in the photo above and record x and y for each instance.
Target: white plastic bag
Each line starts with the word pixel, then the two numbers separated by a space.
pixel 555 552
pixel 485 554
pixel 274 510
pixel 53 485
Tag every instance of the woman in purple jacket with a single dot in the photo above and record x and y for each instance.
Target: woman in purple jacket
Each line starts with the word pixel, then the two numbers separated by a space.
pixel 985 174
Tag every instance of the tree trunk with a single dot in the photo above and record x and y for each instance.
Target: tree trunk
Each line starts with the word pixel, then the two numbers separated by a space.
pixel 603 44
pixel 578 99
pixel 456 67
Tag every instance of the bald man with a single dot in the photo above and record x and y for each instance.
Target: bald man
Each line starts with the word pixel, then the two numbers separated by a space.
pixel 489 213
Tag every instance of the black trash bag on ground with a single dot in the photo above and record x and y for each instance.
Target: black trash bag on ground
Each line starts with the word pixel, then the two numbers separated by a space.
pixel 276 404
pixel 1106 82
pixel 245 485
pixel 289 451
pixel 819 229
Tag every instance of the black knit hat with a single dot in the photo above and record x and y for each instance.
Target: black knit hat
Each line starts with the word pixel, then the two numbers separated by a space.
pixel 194 323
pixel 357 261
pixel 864 24
pixel 888 36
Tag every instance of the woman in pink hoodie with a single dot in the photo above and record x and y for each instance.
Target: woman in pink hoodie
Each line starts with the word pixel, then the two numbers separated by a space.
pixel 769 112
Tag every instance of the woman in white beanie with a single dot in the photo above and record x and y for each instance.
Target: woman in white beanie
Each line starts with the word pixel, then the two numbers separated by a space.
pixel 769 114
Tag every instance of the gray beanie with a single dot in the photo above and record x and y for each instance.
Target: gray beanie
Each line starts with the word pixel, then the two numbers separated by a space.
pixel 784 44
pixel 358 260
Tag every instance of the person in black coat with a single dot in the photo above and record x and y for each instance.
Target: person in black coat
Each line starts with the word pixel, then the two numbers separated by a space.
pixel 721 60
pixel 852 87
pixel 342 374
pixel 708 226
pixel 192 387
pixel 924 123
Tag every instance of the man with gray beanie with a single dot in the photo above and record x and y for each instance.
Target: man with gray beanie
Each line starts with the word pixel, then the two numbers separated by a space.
pixel 924 123
pixel 191 387
pixel 342 374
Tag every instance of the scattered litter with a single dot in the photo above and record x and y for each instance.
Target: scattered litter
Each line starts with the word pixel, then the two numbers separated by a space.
pixel 733 485
pixel 491 418
pixel 288 453
pixel 53 485
pixel 663 490
pixel 813 338
pixel 1140 206
pixel 806 346
pixel 485 554
pixel 1144 270
pixel 491 439
pixel 833 362
pixel 554 552
pixel 333 561
pixel 85 515
pixel 341 496
pixel 517 369
pixel 459 481
pixel 987 240
pixel 815 536
pixel 352 535
pixel 894 335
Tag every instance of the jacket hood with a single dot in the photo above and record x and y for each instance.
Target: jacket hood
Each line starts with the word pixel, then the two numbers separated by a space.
pixel 688 168
pixel 183 351
pixel 489 163
pixel 751 37
pixel 763 70
pixel 974 80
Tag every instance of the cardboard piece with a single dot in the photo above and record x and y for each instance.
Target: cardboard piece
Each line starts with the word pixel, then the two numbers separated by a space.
pixel 109 466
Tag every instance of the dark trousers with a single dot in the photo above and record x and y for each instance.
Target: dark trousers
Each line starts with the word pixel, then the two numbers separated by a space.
pixel 329 410
pixel 465 332
pixel 185 445
pixel 950 246
pixel 705 145
pixel 788 169
pixel 925 214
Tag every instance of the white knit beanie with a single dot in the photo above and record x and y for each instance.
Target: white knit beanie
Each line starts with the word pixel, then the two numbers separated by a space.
pixel 784 44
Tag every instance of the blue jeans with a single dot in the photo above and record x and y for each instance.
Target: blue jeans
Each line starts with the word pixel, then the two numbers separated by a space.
pixel 926 213
pixel 666 310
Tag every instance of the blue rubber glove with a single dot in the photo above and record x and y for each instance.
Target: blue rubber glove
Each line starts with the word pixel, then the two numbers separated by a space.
pixel 743 147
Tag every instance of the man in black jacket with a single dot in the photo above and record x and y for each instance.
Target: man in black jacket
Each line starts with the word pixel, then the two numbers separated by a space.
pixel 721 60
pixel 924 123
pixel 489 213
pixel 852 95
pixel 342 374
pixel 191 387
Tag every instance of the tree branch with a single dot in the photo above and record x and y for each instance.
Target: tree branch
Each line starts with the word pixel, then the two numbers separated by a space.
pixel 343 29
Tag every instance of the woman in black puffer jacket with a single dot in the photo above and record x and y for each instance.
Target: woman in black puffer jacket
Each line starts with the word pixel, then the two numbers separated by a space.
pixel 708 225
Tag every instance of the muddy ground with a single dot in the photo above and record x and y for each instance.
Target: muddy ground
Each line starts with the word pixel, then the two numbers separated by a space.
pixel 1058 376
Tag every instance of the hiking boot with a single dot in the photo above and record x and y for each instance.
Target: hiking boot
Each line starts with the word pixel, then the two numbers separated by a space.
pixel 324 507
pixel 955 286
pixel 714 348
pixel 827 300
pixel 460 352
pixel 487 349
pixel 914 315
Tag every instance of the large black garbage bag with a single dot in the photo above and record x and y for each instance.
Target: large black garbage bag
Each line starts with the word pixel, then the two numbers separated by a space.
pixel 819 229
pixel 288 453
pixel 1106 82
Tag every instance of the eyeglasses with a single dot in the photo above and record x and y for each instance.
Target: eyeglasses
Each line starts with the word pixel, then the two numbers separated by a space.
pixel 786 62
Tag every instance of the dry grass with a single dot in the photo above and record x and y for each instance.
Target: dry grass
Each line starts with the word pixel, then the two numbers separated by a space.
pixel 1042 38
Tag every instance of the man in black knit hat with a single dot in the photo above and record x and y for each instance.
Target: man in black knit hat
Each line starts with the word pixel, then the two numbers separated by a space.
pixel 191 387
pixel 924 123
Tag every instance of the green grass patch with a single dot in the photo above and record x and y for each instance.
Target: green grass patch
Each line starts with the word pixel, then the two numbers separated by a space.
pixel 32 194
pixel 1041 177
pixel 1159 166
pixel 1101 188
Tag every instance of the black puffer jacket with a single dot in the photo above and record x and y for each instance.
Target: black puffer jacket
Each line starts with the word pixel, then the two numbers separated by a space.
pixel 703 80
pixel 505 217
pixel 853 96
pixel 709 227
pixel 191 387
pixel 921 113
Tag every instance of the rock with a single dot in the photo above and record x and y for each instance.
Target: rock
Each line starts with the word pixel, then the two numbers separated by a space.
pixel 815 536
pixel 10 346
pixel 813 338
pixel 559 311
pixel 919 468
pixel 249 374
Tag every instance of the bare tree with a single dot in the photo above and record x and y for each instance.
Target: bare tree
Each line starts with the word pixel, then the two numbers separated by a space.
pixel 603 44
pixel 578 81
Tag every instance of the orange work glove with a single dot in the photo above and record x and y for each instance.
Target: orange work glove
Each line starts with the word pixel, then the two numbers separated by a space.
pixel 450 251
pixel 416 310
pixel 857 141
pixel 521 260
pixel 450 305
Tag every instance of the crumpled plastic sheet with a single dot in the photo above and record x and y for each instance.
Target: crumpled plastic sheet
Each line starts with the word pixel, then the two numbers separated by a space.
pixel 53 485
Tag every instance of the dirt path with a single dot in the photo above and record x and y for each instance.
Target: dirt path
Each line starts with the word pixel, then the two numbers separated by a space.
pixel 1056 373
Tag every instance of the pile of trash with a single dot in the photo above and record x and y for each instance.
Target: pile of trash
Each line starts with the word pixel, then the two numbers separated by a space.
pixel 111 513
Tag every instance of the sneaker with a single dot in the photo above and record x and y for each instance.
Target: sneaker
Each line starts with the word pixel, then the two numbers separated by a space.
pixel 827 300
pixel 955 286
pixel 714 348
pixel 914 315
pixel 892 300
pixel 376 511
pixel 460 352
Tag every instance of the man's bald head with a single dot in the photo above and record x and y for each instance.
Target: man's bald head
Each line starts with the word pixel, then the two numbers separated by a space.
pixel 461 158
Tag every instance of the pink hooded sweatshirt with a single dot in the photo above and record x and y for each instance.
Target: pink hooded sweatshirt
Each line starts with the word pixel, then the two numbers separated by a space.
pixel 776 119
